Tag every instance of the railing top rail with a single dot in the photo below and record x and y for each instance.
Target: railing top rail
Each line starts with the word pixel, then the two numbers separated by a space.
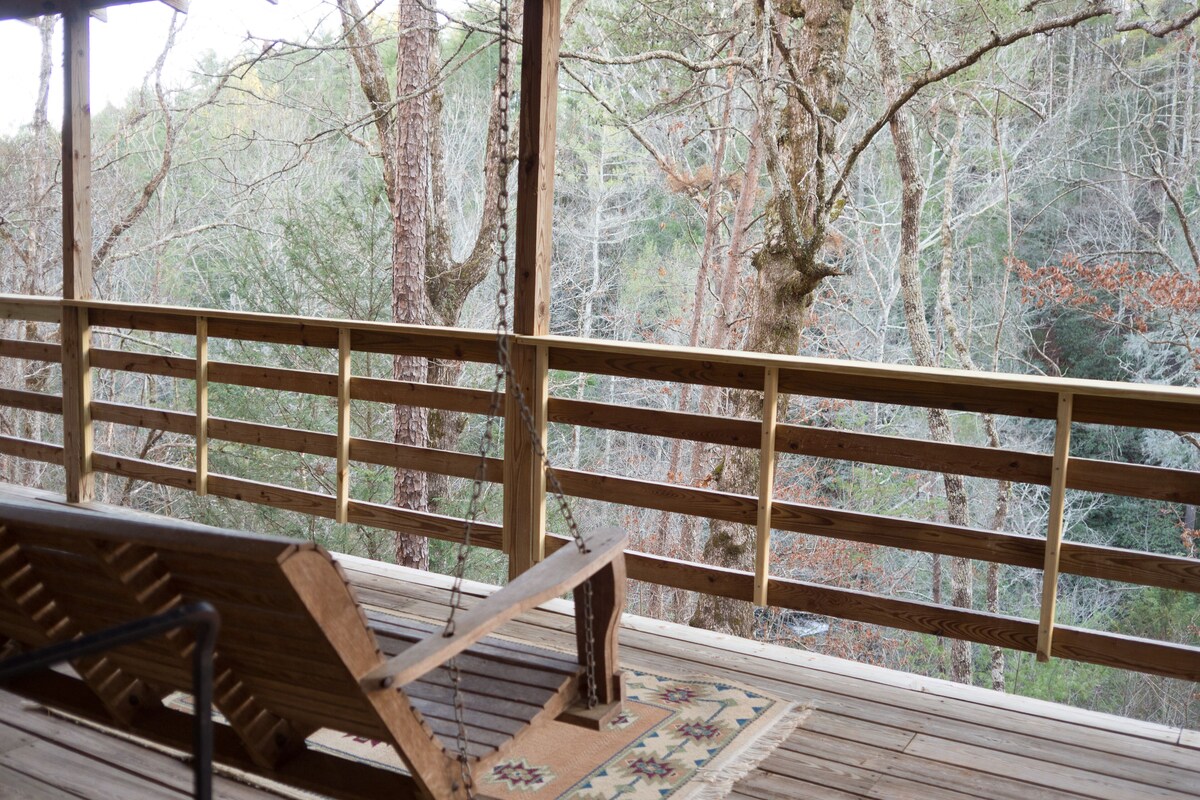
pixel 280 319
pixel 46 308
pixel 866 369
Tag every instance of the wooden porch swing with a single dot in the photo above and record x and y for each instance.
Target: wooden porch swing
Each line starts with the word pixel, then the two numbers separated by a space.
pixel 296 652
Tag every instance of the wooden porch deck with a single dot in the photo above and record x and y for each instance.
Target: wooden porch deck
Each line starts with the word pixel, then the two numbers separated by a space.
pixel 875 733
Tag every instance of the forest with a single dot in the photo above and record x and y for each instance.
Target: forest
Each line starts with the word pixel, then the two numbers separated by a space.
pixel 992 185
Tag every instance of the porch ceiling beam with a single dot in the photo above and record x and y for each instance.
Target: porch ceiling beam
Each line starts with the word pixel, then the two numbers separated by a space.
pixel 27 9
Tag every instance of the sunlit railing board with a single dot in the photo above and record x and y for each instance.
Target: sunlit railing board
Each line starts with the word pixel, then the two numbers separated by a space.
pixel 32 450
pixel 31 401
pixel 1026 396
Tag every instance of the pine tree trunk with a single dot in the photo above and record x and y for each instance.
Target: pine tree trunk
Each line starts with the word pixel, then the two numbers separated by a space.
pixel 410 218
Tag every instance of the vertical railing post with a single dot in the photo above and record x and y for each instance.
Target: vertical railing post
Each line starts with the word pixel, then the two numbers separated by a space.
pixel 524 476
pixel 76 333
pixel 1054 525
pixel 766 485
pixel 201 406
pixel 343 428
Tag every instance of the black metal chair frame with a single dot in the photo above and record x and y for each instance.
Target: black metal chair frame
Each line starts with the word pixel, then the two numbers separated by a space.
pixel 201 618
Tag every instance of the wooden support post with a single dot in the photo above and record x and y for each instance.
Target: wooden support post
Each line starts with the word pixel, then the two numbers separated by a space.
pixel 608 601
pixel 1054 526
pixel 766 484
pixel 524 476
pixel 76 335
pixel 201 406
pixel 343 431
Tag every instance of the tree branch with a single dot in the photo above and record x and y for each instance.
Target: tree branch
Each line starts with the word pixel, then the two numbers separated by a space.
pixel 997 41
pixel 1160 28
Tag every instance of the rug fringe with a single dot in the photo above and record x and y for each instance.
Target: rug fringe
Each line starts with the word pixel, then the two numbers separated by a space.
pixel 716 784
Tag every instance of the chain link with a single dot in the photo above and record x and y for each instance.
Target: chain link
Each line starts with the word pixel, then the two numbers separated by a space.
pixel 503 373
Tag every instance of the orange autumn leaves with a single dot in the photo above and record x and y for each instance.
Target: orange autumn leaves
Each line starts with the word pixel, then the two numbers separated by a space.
pixel 1113 291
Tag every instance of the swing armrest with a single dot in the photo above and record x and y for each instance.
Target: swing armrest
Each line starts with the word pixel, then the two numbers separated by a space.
pixel 556 575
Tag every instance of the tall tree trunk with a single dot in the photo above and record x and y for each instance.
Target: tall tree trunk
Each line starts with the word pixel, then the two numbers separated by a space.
pixel 966 361
pixel 912 202
pixel 789 264
pixel 429 285
pixel 410 218
pixel 684 547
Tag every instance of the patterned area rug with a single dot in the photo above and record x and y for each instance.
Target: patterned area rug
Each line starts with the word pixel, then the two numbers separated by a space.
pixel 682 739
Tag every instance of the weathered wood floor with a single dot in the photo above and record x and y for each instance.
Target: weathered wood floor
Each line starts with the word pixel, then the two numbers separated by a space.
pixel 874 733
pixel 47 757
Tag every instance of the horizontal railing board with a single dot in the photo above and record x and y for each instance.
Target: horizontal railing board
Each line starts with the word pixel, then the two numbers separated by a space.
pixel 186 312
pixel 446 343
pixel 323 384
pixel 1088 560
pixel 426 459
pixel 256 434
pixel 1153 393
pixel 655 422
pixel 159 419
pixel 449 346
pixel 1130 566
pixel 31 449
pixel 315 504
pixel 31 401
pixel 1162 414
pixel 33 309
pixel 295 333
pixel 142 470
pixel 1133 480
pixel 300 440
pixel 141 319
pixel 436 526
pixel 901 451
pixel 49 352
pixel 144 363
pixel 915 391
pixel 426 395
pixel 305 502
pixel 1127 652
pixel 659 496
pixel 659 366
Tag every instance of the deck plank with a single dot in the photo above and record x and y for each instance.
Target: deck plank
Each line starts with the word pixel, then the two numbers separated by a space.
pixel 16 785
pixel 59 758
pixel 876 707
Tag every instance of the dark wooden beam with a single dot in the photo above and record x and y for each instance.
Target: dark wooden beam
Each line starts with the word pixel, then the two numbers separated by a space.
pixel 27 9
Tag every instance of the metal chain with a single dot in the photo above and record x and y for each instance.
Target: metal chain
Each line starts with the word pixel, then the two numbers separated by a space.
pixel 504 372
pixel 485 442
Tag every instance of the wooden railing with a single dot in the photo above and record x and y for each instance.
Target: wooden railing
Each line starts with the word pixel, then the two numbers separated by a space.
pixel 1063 401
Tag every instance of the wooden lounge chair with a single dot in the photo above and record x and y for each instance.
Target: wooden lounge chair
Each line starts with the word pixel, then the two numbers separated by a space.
pixel 296 652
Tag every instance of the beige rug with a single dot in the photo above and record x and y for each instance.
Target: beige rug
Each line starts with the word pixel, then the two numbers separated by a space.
pixel 684 739
pixel 679 738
